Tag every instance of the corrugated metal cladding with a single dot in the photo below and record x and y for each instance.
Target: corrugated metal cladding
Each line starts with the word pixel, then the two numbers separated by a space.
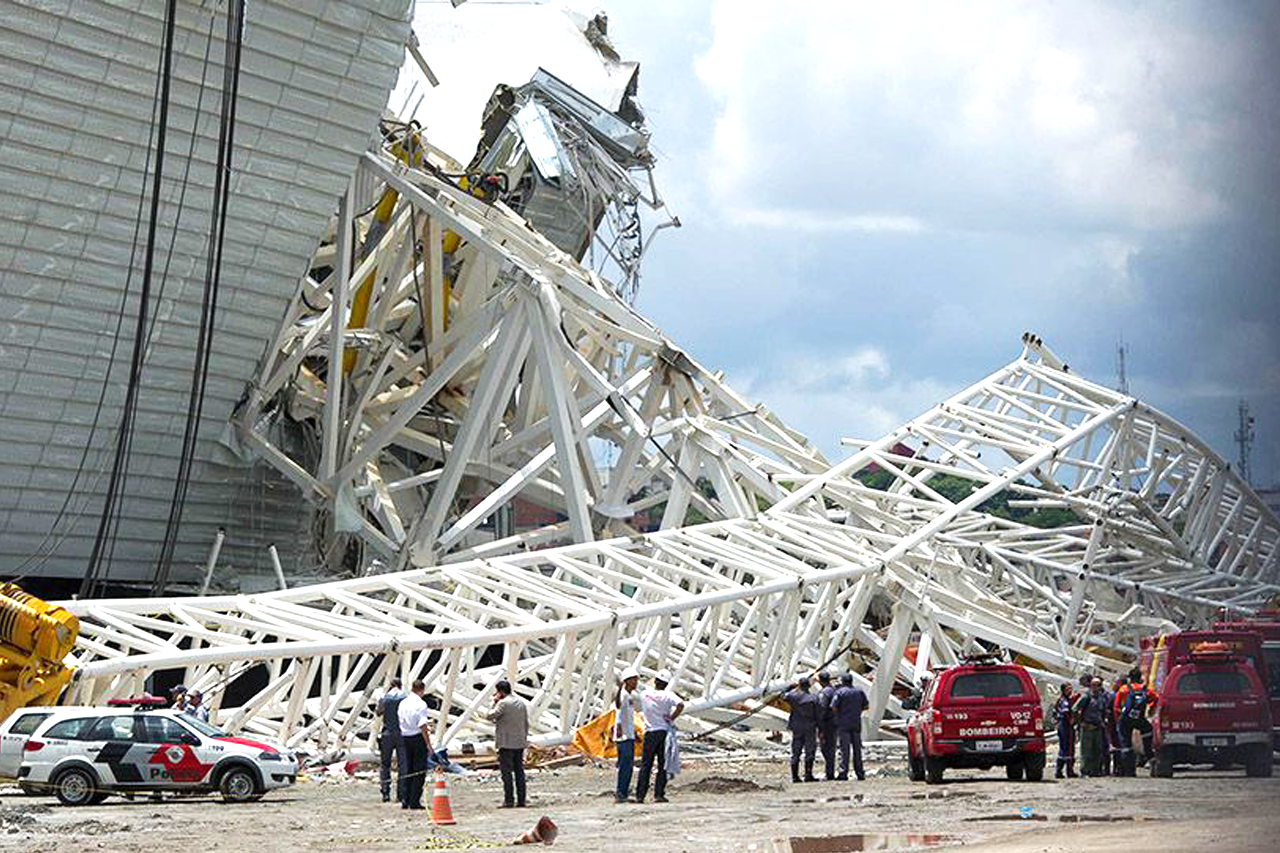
pixel 75 114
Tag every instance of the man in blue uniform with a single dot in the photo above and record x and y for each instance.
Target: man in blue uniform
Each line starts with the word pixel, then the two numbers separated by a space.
pixel 803 724
pixel 1064 715
pixel 827 724
pixel 390 743
pixel 847 707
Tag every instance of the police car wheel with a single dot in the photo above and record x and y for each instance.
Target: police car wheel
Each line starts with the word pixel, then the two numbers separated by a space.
pixel 74 787
pixel 237 785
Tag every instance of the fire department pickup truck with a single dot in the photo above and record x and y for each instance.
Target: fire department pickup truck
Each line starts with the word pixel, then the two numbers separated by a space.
pixel 978 714
pixel 1212 704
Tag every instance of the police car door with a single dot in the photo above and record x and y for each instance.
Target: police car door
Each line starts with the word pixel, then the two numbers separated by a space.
pixel 115 746
pixel 14 738
pixel 177 756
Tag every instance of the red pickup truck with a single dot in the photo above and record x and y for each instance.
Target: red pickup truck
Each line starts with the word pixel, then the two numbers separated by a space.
pixel 1212 705
pixel 978 714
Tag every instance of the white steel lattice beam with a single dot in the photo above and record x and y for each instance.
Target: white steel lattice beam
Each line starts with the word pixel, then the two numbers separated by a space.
pixel 735 607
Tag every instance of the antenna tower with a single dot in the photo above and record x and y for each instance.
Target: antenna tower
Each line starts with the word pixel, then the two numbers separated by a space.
pixel 1122 378
pixel 1244 442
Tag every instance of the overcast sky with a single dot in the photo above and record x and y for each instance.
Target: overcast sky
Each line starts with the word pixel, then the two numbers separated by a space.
pixel 879 198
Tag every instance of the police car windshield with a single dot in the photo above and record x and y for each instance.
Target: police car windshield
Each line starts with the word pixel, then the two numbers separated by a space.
pixel 202 727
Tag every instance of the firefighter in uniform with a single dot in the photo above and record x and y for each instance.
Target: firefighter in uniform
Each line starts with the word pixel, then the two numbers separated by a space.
pixel 847 708
pixel 827 723
pixel 1064 715
pixel 1133 717
pixel 1092 718
pixel 803 724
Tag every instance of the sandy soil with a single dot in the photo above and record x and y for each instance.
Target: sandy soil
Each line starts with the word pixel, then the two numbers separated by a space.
pixel 734 805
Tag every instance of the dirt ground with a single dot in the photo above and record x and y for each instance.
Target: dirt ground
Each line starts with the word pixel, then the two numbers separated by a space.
pixel 721 804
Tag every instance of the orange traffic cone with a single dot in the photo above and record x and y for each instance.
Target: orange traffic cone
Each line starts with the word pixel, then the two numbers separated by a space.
pixel 544 831
pixel 441 810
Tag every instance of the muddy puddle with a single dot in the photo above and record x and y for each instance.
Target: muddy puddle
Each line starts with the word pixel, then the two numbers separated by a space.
pixel 860 841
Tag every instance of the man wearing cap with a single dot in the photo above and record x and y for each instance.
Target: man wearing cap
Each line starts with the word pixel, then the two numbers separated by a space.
pixel 196 706
pixel 661 707
pixel 827 724
pixel 803 724
pixel 847 707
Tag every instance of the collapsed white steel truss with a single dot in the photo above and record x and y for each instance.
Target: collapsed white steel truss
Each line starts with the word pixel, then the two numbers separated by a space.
pixel 1161 530
pixel 481 363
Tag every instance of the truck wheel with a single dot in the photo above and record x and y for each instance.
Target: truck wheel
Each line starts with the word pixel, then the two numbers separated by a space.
pixel 1034 764
pixel 933 768
pixel 915 768
pixel 237 785
pixel 75 787
pixel 1160 765
pixel 1258 762
pixel 1013 770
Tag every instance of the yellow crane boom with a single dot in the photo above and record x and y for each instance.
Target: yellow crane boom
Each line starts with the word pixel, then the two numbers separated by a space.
pixel 35 638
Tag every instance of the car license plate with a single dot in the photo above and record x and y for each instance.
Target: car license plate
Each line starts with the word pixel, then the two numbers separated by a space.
pixel 989 745
pixel 1216 741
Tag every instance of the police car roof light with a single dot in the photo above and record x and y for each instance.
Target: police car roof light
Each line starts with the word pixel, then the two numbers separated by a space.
pixel 146 700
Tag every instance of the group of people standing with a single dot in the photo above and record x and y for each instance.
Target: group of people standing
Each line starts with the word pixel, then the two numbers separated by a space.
pixel 1104 723
pixel 830 720
pixel 659 708
pixel 406 740
pixel 189 702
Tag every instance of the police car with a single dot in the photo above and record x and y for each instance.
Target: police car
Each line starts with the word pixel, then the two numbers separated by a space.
pixel 86 755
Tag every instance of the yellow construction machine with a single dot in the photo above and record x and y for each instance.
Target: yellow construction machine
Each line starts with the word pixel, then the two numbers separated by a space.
pixel 35 637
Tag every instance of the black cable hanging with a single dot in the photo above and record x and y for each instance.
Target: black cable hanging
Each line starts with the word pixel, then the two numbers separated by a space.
pixel 209 298
pixel 109 506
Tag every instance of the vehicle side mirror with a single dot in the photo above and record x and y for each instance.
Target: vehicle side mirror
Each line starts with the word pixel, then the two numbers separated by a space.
pixel 191 740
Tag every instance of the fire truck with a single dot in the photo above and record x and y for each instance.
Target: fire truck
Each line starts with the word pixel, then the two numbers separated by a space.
pixel 1211 700
pixel 1267 625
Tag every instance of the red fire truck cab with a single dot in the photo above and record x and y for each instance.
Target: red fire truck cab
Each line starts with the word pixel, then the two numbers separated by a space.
pixel 1212 705
pixel 978 714
pixel 1267 625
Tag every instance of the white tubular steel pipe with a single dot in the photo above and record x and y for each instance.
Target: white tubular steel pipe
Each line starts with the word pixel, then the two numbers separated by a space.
pixel 213 560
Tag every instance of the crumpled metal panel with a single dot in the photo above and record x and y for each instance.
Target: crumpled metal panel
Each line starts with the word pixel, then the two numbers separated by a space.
pixel 75 110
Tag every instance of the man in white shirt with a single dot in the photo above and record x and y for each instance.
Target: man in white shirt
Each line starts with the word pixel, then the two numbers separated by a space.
pixel 661 707
pixel 625 703
pixel 414 717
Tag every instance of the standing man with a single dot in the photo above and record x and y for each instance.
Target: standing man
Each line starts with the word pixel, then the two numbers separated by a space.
pixel 390 743
pixel 1133 718
pixel 661 707
pixel 827 724
pixel 626 702
pixel 847 707
pixel 196 706
pixel 414 717
pixel 803 723
pixel 1064 716
pixel 510 718
pixel 1091 713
